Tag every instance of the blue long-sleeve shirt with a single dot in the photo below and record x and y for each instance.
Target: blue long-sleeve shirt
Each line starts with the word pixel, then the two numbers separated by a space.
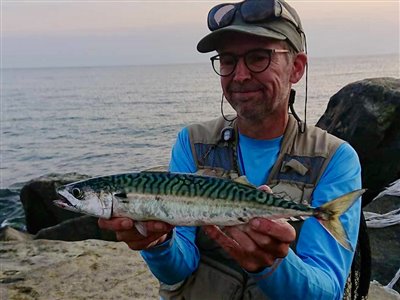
pixel 318 269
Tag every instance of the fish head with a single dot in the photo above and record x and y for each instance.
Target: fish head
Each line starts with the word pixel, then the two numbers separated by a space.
pixel 85 199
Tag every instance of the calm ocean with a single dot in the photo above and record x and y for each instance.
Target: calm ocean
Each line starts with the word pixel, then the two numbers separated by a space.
pixel 104 120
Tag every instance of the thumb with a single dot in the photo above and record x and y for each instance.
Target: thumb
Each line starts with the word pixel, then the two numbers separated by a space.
pixel 265 188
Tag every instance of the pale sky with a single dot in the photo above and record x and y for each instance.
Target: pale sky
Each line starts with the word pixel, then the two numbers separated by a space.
pixel 101 33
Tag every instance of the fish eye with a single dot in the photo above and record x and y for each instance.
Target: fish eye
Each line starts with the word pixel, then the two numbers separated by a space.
pixel 77 193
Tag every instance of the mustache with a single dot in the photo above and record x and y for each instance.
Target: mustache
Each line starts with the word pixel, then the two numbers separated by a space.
pixel 246 87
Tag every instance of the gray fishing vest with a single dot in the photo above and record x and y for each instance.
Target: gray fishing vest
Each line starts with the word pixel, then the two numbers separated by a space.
pixel 301 162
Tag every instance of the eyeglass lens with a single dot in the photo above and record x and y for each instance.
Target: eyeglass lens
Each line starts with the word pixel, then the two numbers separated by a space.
pixel 256 61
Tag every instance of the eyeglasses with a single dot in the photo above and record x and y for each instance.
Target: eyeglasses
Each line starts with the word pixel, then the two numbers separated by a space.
pixel 252 11
pixel 256 60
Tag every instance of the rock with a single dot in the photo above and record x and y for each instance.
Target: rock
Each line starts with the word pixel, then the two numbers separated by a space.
pixel 366 113
pixel 76 229
pixel 10 234
pixel 384 243
pixel 37 199
pixel 48 221
pixel 377 291
pixel 91 269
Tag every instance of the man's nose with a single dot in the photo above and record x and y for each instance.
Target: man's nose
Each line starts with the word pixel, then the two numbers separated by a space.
pixel 241 72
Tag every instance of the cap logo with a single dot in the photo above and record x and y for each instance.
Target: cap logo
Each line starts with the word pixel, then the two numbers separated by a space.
pixel 220 13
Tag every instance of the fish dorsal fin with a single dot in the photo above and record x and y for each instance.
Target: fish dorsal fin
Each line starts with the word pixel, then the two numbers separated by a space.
pixel 158 169
pixel 243 180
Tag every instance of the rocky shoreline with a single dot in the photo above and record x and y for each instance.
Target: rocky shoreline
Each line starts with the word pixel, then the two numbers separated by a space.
pixel 90 269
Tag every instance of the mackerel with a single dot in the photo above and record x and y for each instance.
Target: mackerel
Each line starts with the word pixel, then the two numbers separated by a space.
pixel 191 200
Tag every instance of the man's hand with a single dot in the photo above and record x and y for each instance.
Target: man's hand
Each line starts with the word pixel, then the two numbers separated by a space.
pixel 255 245
pixel 125 230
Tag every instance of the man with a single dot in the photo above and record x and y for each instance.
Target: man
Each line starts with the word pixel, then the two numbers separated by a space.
pixel 260 46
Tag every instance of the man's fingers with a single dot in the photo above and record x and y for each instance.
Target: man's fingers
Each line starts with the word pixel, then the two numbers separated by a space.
pixel 143 243
pixel 157 226
pixel 134 236
pixel 265 188
pixel 281 231
pixel 115 224
pixel 263 241
pixel 240 247
pixel 220 237
pixel 138 235
pixel 120 224
pixel 242 238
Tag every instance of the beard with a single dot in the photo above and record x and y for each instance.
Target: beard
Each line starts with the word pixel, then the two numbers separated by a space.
pixel 250 100
pixel 255 101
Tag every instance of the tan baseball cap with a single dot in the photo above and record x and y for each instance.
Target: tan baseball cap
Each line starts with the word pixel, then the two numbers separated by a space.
pixel 266 18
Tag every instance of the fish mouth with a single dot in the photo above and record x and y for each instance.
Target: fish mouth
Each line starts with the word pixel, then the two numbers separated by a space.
pixel 64 203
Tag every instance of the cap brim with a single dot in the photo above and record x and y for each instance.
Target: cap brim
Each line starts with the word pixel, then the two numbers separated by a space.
pixel 209 42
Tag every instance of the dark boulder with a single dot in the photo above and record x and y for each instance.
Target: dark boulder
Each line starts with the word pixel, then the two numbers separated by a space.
pixel 76 229
pixel 37 200
pixel 48 221
pixel 366 114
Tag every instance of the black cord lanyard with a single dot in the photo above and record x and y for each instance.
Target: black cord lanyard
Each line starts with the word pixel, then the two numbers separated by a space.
pixel 234 145
pixel 241 161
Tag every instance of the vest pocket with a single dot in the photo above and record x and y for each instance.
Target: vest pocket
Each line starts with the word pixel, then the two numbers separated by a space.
pixel 207 283
pixel 253 292
pixel 288 191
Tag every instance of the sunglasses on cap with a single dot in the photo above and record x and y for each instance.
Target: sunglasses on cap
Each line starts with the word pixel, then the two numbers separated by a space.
pixel 252 11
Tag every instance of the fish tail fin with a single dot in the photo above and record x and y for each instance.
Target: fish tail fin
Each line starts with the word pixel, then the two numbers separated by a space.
pixel 329 213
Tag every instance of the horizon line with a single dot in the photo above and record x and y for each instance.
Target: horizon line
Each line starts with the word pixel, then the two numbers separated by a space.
pixel 176 63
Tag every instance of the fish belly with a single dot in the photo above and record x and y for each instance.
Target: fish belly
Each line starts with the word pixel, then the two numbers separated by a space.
pixel 194 211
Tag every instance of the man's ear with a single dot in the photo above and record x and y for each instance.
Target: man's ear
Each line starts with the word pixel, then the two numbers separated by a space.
pixel 299 67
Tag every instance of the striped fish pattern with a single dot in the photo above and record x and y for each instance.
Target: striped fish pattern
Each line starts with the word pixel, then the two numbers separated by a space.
pixel 191 200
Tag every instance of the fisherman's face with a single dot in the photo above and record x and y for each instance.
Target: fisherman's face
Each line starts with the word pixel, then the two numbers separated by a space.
pixel 254 96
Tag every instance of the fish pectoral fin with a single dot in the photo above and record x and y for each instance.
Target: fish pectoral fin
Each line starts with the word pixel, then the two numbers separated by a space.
pixel 243 180
pixel 121 195
pixel 141 227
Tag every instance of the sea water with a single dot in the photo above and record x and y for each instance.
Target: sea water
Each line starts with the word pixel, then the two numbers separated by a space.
pixel 105 120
